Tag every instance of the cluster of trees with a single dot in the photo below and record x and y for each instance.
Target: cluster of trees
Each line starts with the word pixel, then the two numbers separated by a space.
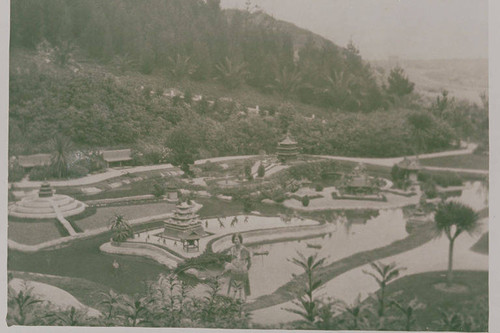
pixel 197 40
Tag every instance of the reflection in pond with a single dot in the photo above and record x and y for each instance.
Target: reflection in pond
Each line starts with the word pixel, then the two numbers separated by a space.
pixel 270 271
pixel 357 232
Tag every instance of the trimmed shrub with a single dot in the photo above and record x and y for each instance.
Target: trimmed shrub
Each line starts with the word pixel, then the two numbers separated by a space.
pixel 16 172
pixel 261 171
pixel 40 173
pixel 429 188
pixel 305 201
pixel 248 172
pixel 77 171
pixel 319 187
pixel 158 189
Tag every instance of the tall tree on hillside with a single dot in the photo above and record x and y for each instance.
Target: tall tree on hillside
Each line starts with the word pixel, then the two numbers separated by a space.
pixel 231 73
pixel 184 150
pixel 420 124
pixel 452 219
pixel 399 83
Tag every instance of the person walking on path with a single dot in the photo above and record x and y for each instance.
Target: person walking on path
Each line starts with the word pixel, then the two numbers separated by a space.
pixel 234 221
pixel 221 224
pixel 245 220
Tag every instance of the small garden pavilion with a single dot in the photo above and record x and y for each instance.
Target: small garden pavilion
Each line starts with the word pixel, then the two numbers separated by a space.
pixel 288 149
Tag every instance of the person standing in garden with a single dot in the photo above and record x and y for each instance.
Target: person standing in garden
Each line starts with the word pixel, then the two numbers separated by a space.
pixel 116 267
pixel 238 268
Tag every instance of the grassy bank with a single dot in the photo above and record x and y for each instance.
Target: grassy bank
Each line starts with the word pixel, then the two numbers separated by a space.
pixel 471 161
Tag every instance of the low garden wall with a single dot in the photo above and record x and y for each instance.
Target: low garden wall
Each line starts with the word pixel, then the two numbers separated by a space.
pixel 138 199
pixel 400 192
pixel 380 197
pixel 144 250
pixel 272 235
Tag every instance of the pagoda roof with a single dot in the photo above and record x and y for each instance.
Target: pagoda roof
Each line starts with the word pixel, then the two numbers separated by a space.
pixel 183 206
pixel 192 234
pixel 288 141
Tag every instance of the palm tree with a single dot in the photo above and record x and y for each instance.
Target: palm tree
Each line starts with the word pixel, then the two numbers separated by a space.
pixel 420 124
pixel 452 219
pixel 59 160
pixel 286 82
pixel 231 73
pixel 310 265
pixel 383 275
pixel 120 228
pixel 340 86
pixel 181 67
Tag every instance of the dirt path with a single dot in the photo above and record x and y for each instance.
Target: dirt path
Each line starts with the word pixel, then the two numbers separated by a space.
pixel 294 288
pixel 113 173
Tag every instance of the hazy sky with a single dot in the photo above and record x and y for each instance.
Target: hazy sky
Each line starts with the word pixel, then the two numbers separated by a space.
pixel 416 29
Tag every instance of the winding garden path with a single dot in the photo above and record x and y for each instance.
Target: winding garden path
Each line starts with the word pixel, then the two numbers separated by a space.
pixel 389 162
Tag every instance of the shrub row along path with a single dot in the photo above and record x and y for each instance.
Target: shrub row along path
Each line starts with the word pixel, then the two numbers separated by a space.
pixel 388 162
pixel 295 287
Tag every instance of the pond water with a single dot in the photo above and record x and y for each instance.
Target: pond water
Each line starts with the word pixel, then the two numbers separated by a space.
pixel 352 236
pixel 268 272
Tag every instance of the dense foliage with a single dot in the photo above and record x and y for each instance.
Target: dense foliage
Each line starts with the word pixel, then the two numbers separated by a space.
pixel 75 68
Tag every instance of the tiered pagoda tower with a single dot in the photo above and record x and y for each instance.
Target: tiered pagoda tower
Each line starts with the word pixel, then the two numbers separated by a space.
pixel 45 191
pixel 184 222
pixel 288 149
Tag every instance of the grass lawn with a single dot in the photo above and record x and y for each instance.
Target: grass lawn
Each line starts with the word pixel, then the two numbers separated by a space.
pixel 31 233
pixel 474 302
pixel 470 161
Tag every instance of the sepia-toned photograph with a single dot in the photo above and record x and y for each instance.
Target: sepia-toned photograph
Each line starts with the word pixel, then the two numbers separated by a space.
pixel 248 164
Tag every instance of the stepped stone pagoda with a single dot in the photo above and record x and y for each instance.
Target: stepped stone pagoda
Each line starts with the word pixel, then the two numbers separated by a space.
pixel 185 226
pixel 46 205
pixel 288 149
